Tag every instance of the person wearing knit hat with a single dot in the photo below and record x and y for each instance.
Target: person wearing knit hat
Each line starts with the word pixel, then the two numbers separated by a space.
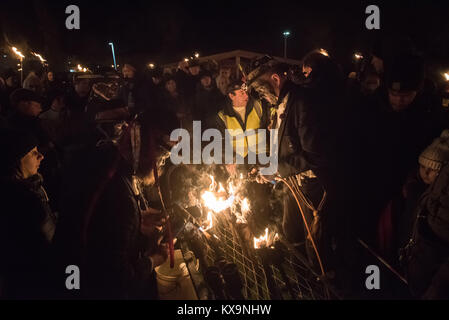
pixel 432 159
pixel 28 223
pixel 20 155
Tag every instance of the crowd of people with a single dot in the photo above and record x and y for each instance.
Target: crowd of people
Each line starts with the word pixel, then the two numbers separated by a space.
pixel 369 152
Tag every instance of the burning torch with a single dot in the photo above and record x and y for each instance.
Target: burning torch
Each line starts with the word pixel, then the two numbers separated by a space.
pixel 21 56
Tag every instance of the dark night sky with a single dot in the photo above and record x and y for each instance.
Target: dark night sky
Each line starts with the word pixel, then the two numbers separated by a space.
pixel 166 31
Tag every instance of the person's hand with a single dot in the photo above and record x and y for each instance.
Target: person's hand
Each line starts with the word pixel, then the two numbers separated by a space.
pixel 152 221
pixel 264 179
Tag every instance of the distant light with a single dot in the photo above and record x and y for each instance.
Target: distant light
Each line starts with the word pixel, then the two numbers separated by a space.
pixel 18 64
pixel 72 70
pixel 286 33
pixel 151 65
pixel 186 59
pixel 324 52
pixel 197 55
pixel 358 56
pixel 4 56
pixel 110 43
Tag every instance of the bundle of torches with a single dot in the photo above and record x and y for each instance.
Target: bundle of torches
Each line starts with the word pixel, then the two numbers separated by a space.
pixel 217 199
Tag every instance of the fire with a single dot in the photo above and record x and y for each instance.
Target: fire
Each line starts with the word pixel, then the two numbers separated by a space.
pixel 245 206
pixel 216 204
pixel 265 241
pixel 17 52
pixel 261 241
pixel 209 222
pixel 446 76
pixel 221 189
pixel 324 52
pixel 39 56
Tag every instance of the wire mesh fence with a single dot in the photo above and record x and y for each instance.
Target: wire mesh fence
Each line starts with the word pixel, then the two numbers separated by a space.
pixel 278 273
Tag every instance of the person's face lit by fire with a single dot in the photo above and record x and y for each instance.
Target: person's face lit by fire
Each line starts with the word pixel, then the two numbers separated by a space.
pixel 50 76
pixel 128 71
pixel 206 81
pixel 82 88
pixel 428 175
pixel 29 164
pixel 225 73
pixel 239 98
pixel 401 100
pixel 194 70
pixel 170 86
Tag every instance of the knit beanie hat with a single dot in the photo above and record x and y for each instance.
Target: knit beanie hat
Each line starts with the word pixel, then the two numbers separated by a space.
pixel 437 154
pixel 16 145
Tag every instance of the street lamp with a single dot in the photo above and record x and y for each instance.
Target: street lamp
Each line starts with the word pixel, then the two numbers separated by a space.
pixel 113 55
pixel 286 35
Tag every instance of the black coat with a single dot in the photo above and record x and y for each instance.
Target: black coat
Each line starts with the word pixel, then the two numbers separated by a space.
pixel 26 233
pixel 114 253
pixel 306 134
pixel 428 259
pixel 99 229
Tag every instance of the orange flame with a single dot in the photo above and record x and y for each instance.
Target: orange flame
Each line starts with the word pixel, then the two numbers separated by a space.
pixel 209 222
pixel 265 241
pixel 39 56
pixel 17 52
pixel 324 52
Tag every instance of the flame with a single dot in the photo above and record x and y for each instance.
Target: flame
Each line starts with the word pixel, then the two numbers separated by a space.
pixel 265 241
pixel 216 204
pixel 220 203
pixel 245 206
pixel 324 52
pixel 212 184
pixel 231 188
pixel 17 52
pixel 446 76
pixel 261 241
pixel 39 56
pixel 209 222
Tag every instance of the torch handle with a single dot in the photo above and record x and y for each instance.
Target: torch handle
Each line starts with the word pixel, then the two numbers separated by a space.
pixel 171 246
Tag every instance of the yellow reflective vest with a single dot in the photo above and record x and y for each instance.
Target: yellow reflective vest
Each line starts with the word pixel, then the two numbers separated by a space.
pixel 245 134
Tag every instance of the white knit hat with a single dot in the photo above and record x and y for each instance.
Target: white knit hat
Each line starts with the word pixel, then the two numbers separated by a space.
pixel 436 154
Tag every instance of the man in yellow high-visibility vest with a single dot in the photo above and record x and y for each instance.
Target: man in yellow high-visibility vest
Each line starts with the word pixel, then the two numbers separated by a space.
pixel 242 116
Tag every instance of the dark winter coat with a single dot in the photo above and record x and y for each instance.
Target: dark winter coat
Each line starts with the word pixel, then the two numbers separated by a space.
pixel 428 256
pixel 305 134
pixel 117 262
pixel 26 233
